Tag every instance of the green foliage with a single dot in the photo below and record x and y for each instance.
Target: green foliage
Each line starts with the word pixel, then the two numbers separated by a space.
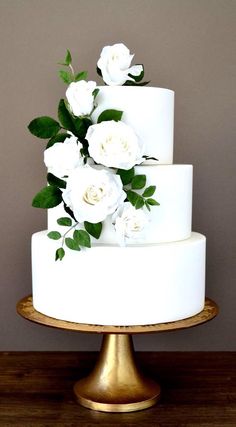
pixel 60 137
pixel 138 182
pixel 54 180
pixel 55 235
pixel 95 92
pixel 67 222
pixel 107 115
pixel 72 244
pixel 67 61
pixel 65 76
pixel 126 175
pixel 60 253
pixel 138 78
pixel 152 202
pixel 47 198
pixel 149 191
pixel 82 238
pixel 93 229
pixel 65 116
pixel 81 76
pixel 44 127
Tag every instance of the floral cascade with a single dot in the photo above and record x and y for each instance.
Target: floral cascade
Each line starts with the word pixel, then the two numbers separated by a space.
pixel 91 166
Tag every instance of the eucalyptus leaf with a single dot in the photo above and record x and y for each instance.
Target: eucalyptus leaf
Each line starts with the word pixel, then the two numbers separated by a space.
pixel 47 198
pixel 44 127
pixel 138 182
pixel 126 175
pixel 107 115
pixel 60 253
pixel 93 229
pixel 54 180
pixel 72 244
pixel 67 222
pixel 55 235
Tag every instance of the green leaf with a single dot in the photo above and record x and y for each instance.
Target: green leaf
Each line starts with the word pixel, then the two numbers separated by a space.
pixel 93 229
pixel 126 175
pixel 44 127
pixel 65 76
pixel 132 197
pixel 54 180
pixel 110 115
pixel 147 205
pixel 72 244
pixel 95 92
pixel 60 253
pixel 139 202
pixel 82 238
pixel 138 182
pixel 47 198
pixel 81 126
pixel 65 117
pixel 131 83
pixel 153 202
pixel 67 61
pixel 64 221
pixel 60 137
pixel 69 212
pixel 55 235
pixel 138 78
pixel 81 76
pixel 149 191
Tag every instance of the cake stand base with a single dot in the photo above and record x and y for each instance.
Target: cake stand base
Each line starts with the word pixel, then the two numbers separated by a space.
pixel 116 384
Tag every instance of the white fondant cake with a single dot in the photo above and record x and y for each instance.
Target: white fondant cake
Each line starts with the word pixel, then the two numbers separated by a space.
pixel 159 276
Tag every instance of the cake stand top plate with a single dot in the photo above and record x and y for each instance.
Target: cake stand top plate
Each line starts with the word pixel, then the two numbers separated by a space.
pixel 25 309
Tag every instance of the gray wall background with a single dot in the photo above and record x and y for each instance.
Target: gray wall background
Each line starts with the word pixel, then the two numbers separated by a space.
pixel 185 45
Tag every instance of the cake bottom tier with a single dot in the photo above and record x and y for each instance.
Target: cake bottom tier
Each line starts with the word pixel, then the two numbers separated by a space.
pixel 111 285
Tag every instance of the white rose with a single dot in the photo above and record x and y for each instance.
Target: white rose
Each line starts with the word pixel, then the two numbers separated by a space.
pixel 114 144
pixel 80 97
pixel 129 222
pixel 114 63
pixel 93 194
pixel 63 157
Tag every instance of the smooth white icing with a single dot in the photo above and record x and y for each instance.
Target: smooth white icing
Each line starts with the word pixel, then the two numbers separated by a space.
pixel 143 284
pixel 150 112
pixel 168 222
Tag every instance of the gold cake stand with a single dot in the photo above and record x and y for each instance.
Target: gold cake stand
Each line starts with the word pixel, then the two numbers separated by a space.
pixel 116 384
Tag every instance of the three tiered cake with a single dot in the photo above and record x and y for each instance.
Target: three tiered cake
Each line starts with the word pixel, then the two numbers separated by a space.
pixel 145 265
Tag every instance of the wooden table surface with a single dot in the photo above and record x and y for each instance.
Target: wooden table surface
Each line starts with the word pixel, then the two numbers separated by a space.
pixel 198 390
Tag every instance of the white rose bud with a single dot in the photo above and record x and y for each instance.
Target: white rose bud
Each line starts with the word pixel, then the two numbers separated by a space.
pixel 63 157
pixel 114 63
pixel 93 194
pixel 80 97
pixel 114 144
pixel 129 222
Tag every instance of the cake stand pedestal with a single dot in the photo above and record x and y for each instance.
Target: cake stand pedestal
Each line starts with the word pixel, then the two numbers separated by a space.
pixel 116 384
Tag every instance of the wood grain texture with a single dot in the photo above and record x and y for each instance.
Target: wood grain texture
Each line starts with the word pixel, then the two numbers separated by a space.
pixel 198 390
pixel 25 308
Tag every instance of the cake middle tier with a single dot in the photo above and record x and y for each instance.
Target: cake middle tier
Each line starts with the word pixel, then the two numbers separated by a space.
pixel 171 221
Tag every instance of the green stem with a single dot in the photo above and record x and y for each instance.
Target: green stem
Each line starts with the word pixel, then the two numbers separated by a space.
pixel 64 235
